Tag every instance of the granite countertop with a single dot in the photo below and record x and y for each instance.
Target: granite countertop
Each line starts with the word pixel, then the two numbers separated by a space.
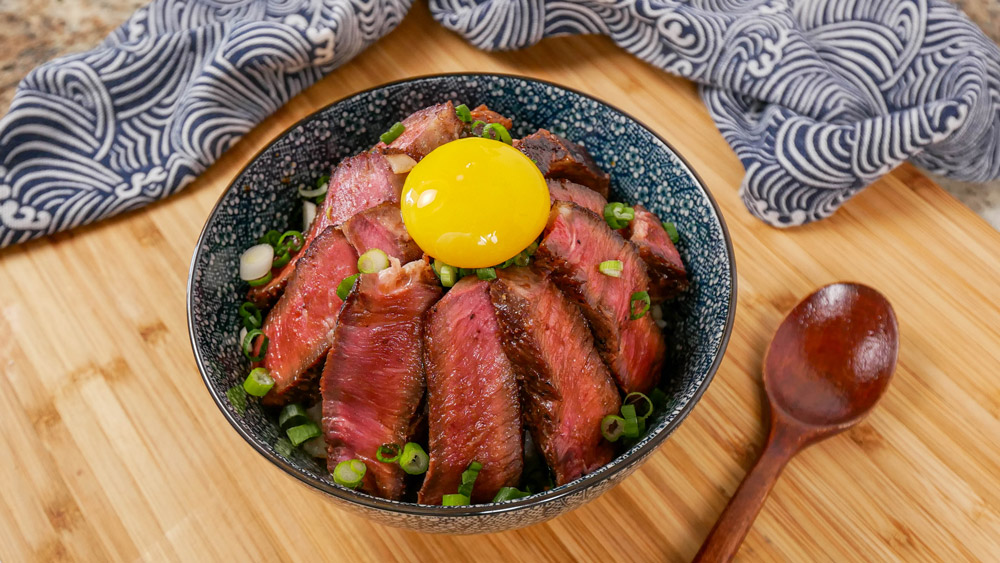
pixel 38 30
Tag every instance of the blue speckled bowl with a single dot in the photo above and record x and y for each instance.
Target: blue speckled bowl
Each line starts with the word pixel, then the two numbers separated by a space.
pixel 644 169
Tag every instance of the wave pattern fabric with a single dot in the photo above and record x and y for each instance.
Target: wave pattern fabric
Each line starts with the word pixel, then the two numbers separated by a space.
pixel 136 119
pixel 818 98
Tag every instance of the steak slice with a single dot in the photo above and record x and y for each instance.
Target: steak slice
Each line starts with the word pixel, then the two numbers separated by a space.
pixel 426 130
pixel 667 275
pixel 575 242
pixel 382 227
pixel 374 376
pixel 564 190
pixel 566 387
pixel 557 157
pixel 474 413
pixel 358 183
pixel 300 325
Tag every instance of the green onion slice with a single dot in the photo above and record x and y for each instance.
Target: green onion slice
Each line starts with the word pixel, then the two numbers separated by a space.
pixel 393 133
pixel 522 259
pixel 611 268
pixel 292 415
pixel 237 396
pixel 281 259
pixel 641 297
pixel 345 286
pixel 497 132
pixel 349 473
pixel 447 274
pixel 303 432
pixel 389 453
pixel 375 260
pixel 251 315
pixel 454 500
pixel 414 459
pixel 284 447
pixel 469 478
pixel 261 280
pixel 463 113
pixel 612 427
pixel 320 189
pixel 640 398
pixel 532 248
pixel 631 429
pixel 486 274
pixel 478 123
pixel 294 245
pixel 248 345
pixel 659 398
pixel 259 382
pixel 271 237
pixel 618 215
pixel 509 493
pixel 672 231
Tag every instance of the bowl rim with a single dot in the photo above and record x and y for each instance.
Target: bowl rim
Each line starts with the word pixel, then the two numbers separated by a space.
pixel 365 501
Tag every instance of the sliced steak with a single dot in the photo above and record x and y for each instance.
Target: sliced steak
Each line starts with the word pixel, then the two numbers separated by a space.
pixel 667 275
pixel 382 227
pixel 300 325
pixel 557 157
pixel 426 130
pixel 358 183
pixel 566 387
pixel 472 395
pixel 374 376
pixel 575 242
pixel 564 190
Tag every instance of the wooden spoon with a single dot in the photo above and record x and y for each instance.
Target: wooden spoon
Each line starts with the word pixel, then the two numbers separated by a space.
pixel 828 364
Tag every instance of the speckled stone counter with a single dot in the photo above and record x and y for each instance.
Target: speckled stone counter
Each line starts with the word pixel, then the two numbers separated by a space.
pixel 34 31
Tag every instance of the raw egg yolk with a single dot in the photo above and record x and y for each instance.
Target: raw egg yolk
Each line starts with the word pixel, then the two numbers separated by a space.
pixel 475 202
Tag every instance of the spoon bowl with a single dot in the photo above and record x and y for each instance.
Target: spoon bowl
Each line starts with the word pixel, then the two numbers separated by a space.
pixel 829 362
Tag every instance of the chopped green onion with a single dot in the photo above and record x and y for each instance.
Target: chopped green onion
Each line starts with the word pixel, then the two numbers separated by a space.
pixel 303 432
pixel 394 132
pixel 463 113
pixel 611 268
pixel 506 263
pixel 672 231
pixel 375 260
pixel 260 281
pixel 631 429
pixel 414 459
pixel 469 478
pixel 296 243
pixel 319 199
pixel 612 427
pixel 281 259
pixel 638 297
pixel 509 493
pixel 642 425
pixel 324 179
pixel 640 397
pixel 237 396
pixel 292 415
pixel 486 274
pixel 349 473
pixel 618 215
pixel 248 345
pixel 462 272
pixel 454 500
pixel 389 453
pixel 497 132
pixel 284 447
pixel 447 274
pixel 659 398
pixel 259 382
pixel 522 259
pixel 271 237
pixel 478 123
pixel 319 190
pixel 251 315
pixel 345 286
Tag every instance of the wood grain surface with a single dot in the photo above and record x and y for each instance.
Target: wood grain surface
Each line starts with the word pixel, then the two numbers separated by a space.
pixel 113 450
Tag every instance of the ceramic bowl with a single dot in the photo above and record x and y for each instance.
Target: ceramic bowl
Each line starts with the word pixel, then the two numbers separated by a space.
pixel 644 169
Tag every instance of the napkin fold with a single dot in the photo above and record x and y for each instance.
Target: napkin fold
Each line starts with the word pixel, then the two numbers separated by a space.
pixel 817 98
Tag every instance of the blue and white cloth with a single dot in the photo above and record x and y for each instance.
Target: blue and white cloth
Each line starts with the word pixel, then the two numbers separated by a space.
pixel 818 98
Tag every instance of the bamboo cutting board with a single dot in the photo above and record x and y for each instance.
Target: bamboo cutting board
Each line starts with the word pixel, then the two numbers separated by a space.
pixel 113 450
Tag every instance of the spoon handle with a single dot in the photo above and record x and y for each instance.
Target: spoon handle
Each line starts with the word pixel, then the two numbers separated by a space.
pixel 735 521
